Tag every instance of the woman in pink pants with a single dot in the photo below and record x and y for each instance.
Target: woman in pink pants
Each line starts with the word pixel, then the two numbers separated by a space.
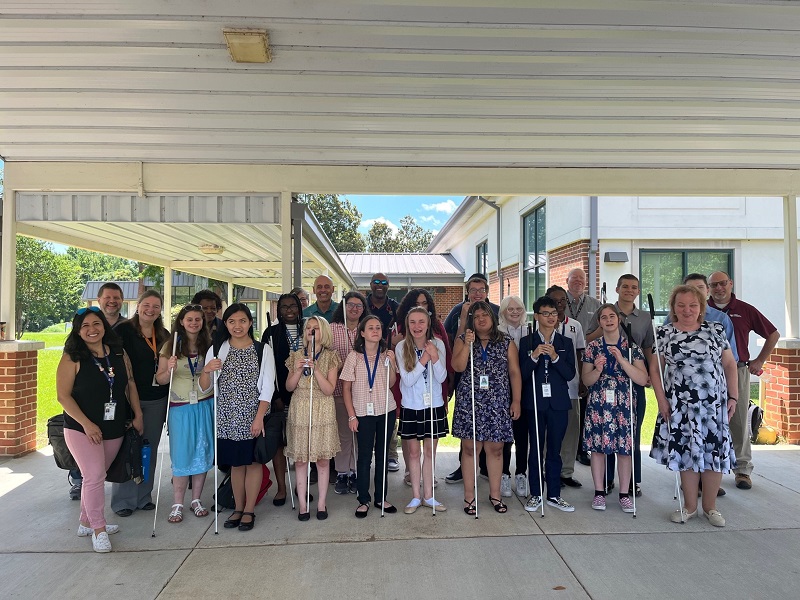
pixel 95 386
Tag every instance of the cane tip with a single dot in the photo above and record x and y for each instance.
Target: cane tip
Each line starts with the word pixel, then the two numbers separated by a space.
pixel 152 535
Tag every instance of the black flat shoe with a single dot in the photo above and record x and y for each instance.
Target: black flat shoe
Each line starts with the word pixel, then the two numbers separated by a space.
pixel 303 516
pixel 149 506
pixel 322 515
pixel 232 523
pixel 279 501
pixel 247 526
pixel 124 512
pixel 390 508
pixel 362 514
pixel 570 482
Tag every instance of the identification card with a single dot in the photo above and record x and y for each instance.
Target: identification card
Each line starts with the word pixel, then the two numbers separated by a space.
pixel 484 382
pixel 109 410
pixel 610 397
pixel 546 390
pixel 426 398
pixel 155 383
pixel 370 409
pixel 193 397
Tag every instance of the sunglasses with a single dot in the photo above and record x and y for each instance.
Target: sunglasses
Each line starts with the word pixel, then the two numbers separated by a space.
pixel 190 307
pixel 82 311
pixel 380 281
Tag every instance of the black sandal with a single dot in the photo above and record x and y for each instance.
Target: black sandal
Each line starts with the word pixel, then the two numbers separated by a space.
pixel 247 526
pixel 470 507
pixel 499 507
pixel 362 514
pixel 232 523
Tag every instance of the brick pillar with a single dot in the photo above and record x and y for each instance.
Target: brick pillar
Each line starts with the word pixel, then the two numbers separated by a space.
pixel 782 389
pixel 18 366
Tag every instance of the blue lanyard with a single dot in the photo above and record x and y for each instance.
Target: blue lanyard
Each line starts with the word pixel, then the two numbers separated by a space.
pixel 546 357
pixel 371 376
pixel 108 373
pixel 419 358
pixel 294 342
pixel 193 367
pixel 484 353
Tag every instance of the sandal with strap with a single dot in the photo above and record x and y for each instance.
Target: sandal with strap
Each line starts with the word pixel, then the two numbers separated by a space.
pixel 176 515
pixel 198 509
pixel 499 507
pixel 470 507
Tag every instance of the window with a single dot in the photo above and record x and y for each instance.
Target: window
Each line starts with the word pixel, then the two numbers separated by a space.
pixel 482 258
pixel 534 254
pixel 253 306
pixel 662 270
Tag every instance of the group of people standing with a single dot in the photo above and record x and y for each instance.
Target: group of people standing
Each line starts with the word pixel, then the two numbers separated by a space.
pixel 352 376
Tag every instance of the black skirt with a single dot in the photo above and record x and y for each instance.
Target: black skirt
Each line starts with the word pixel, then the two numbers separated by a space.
pixel 416 424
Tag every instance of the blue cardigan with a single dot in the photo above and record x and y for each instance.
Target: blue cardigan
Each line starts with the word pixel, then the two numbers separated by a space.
pixel 559 373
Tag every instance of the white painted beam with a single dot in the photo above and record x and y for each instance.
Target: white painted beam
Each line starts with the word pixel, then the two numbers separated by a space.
pixel 792 272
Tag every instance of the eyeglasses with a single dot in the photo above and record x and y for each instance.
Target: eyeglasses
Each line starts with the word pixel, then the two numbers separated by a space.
pixel 561 301
pixel 476 291
pixel 291 306
pixel 190 307
pixel 515 310
pixel 548 313
pixel 82 311
pixel 380 281
pixel 722 283
pixel 354 305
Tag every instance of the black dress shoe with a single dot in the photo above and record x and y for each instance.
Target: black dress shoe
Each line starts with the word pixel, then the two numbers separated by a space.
pixel 584 459
pixel 124 512
pixel 322 515
pixel 303 516
pixel 149 506
pixel 570 482
pixel 249 525
pixel 455 476
pixel 232 523
pixel 279 501
pixel 391 509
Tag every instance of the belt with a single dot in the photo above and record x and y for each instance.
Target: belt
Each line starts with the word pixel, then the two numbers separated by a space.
pixel 741 364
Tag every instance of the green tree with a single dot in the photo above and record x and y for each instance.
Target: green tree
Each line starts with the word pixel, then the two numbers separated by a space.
pixel 412 236
pixel 381 238
pixel 339 220
pixel 48 286
pixel 95 266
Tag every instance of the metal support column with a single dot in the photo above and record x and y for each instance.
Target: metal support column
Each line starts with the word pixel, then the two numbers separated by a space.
pixel 791 266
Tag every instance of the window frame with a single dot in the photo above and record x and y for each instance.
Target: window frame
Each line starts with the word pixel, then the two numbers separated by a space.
pixel 482 258
pixel 541 267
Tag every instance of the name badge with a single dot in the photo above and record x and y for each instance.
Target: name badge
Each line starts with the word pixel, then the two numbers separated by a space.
pixel 193 397
pixel 484 382
pixel 610 397
pixel 155 383
pixel 426 398
pixel 109 410
pixel 546 390
pixel 370 409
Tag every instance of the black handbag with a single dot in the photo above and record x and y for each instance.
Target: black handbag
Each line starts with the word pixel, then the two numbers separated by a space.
pixel 55 436
pixel 127 465
pixel 273 438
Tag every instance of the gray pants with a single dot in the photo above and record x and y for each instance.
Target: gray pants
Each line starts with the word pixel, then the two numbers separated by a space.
pixel 739 433
pixel 569 447
pixel 131 495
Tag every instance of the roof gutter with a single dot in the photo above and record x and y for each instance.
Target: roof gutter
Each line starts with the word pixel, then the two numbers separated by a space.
pixel 495 206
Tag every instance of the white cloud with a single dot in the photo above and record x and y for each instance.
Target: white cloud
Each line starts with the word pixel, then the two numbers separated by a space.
pixel 447 207
pixel 430 219
pixel 367 223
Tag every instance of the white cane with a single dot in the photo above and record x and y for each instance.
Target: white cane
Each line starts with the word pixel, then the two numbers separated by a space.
pixel 385 465
pixel 310 410
pixel 536 424
pixel 216 455
pixel 163 429
pixel 474 436
pixel 629 332
pixel 678 492
pixel 433 448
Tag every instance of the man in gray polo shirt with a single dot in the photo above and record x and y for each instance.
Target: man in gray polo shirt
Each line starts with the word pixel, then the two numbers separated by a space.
pixel 642 331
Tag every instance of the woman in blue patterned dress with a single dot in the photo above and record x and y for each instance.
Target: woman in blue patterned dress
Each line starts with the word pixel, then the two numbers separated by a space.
pixel 695 403
pixel 244 394
pixel 498 387
pixel 607 426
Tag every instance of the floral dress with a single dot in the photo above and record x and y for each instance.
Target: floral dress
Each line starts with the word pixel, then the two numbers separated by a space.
pixel 324 429
pixel 607 426
pixel 492 417
pixel 697 437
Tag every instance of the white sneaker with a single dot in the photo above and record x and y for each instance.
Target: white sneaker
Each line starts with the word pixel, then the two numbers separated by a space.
pixel 533 504
pixel 100 542
pixel 84 531
pixel 560 504
pixel 505 486
pixel 521 483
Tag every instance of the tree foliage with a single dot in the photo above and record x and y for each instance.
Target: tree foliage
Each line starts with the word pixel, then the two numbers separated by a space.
pixel 411 237
pixel 49 286
pixel 339 220
pixel 102 267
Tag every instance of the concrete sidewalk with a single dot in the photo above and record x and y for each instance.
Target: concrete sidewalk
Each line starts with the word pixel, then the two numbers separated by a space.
pixel 585 554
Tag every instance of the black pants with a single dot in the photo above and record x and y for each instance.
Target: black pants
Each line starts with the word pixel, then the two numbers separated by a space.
pixel 372 437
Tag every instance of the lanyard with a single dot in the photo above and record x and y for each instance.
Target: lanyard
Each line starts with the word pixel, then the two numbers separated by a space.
pixel 316 356
pixel 580 306
pixel 294 342
pixel 371 376
pixel 546 357
pixel 153 343
pixel 611 362
pixel 419 358
pixel 193 367
pixel 108 373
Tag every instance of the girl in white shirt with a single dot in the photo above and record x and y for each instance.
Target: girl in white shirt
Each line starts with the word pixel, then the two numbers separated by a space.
pixel 421 364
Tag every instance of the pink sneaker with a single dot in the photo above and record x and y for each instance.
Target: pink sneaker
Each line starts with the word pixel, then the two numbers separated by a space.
pixel 626 504
pixel 599 502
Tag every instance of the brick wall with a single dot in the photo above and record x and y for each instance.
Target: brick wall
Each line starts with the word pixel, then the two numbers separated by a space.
pixel 782 393
pixel 562 260
pixel 17 402
pixel 445 297
pixel 511 284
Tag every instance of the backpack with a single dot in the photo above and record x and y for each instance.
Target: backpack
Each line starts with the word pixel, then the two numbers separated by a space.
pixel 224 496
pixel 755 417
pixel 55 437
pixel 128 463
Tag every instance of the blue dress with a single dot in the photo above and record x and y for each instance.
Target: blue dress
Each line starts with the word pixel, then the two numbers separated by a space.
pixel 492 417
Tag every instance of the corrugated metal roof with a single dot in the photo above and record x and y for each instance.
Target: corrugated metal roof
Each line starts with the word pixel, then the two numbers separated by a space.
pixel 130 289
pixel 401 263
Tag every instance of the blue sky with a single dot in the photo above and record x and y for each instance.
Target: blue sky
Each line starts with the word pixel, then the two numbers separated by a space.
pixel 430 212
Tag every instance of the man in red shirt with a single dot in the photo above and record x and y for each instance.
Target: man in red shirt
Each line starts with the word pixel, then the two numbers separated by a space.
pixel 745 318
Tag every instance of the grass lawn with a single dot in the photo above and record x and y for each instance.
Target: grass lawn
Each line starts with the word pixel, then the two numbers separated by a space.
pixel 47 404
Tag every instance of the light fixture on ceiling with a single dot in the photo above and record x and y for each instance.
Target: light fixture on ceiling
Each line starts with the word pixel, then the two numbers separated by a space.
pixel 248 45
pixel 211 249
